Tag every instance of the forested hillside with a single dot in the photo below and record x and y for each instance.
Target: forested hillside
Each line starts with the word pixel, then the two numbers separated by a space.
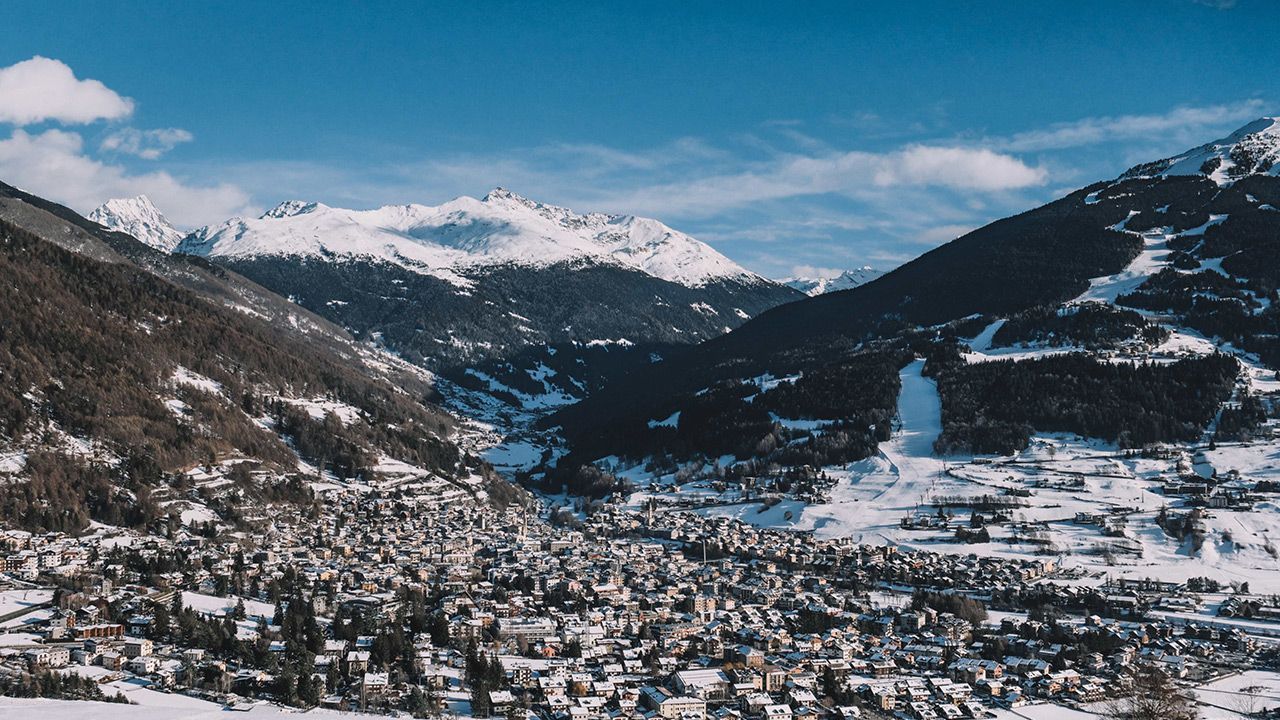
pixel 994 407
pixel 507 310
pixel 1039 258
pixel 1107 269
pixel 114 381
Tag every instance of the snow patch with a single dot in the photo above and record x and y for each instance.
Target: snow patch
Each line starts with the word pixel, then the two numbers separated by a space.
pixel 183 376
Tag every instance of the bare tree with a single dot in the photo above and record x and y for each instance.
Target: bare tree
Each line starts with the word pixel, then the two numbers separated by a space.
pixel 1247 700
pixel 1154 697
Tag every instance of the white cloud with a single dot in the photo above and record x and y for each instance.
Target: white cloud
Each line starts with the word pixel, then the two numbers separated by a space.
pixel 768 208
pixel 146 144
pixel 683 181
pixel 42 89
pixel 1182 121
pixel 856 173
pixel 52 164
pixel 811 271
pixel 957 168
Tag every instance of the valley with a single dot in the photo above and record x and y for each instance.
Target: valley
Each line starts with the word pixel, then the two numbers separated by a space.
pixel 500 458
pixel 1092 503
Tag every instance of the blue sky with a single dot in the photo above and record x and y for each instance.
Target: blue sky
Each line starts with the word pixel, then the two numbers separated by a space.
pixel 793 137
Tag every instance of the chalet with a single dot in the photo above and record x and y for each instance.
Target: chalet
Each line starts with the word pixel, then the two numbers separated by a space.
pixel 373 688
pixel 138 647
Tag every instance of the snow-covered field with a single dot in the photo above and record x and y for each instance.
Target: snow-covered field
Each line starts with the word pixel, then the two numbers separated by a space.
pixel 151 705
pixel 1237 696
pixel 1043 711
pixel 185 377
pixel 16 601
pixel 885 486
pixel 320 408
pixel 20 608
pixel 1083 503
pixel 213 605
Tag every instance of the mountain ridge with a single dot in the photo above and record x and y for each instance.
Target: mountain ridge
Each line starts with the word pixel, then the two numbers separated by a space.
pixel 1146 239
pixel 466 234
pixel 479 280
pixel 846 280
pixel 1253 149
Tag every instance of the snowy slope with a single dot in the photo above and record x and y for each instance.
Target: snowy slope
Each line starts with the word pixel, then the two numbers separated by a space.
pixel 1186 233
pixel 812 286
pixel 899 476
pixel 1252 150
pixel 140 218
pixel 503 228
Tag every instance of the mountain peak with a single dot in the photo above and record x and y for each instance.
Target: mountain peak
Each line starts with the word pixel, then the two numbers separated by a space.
pixel 139 200
pixel 290 208
pixel 1262 124
pixel 1253 149
pixel 500 196
pixel 501 193
pixel 137 203
pixel 844 281
pixel 139 217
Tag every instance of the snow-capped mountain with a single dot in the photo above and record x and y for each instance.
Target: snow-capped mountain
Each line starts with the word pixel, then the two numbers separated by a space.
pixel 812 286
pixel 465 234
pixel 1252 150
pixel 478 281
pixel 140 218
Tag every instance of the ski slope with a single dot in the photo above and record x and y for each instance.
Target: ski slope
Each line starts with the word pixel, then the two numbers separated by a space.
pixel 872 494
pixel 899 477
pixel 1066 475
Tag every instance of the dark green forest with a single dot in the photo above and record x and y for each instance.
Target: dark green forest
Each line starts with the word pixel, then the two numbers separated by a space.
pixel 994 407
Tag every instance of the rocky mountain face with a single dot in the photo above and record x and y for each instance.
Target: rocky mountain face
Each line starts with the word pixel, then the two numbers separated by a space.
pixel 139 218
